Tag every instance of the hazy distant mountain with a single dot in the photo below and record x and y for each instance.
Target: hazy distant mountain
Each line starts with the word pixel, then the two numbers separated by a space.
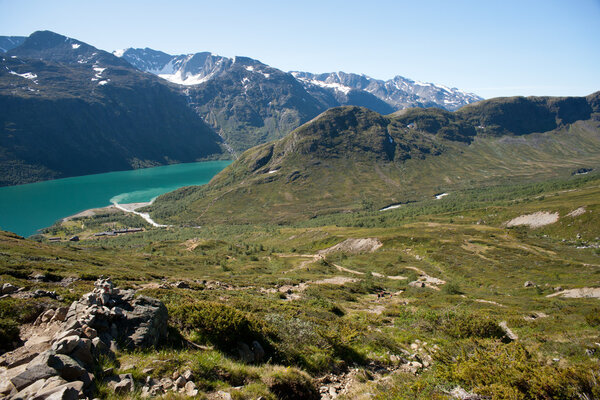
pixel 246 101
pixel 249 102
pixel 185 69
pixel 398 93
pixel 70 109
pixel 10 42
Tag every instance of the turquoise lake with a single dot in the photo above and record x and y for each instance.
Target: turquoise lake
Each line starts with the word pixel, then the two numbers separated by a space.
pixel 26 208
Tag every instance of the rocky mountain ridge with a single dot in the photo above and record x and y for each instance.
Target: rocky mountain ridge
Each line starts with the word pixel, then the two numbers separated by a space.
pixel 257 103
pixel 70 109
pixel 398 92
pixel 10 42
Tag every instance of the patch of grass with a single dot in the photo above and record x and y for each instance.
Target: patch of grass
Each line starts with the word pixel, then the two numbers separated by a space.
pixel 291 384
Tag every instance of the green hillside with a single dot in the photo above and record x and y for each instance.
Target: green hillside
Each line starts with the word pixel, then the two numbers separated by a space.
pixel 350 159
pixel 454 276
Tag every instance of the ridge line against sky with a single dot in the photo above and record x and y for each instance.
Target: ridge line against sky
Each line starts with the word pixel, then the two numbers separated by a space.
pixel 526 47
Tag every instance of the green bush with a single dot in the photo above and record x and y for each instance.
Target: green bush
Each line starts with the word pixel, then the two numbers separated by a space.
pixel 509 371
pixel 22 310
pixel 593 317
pixel 291 384
pixel 218 324
pixel 451 288
pixel 466 325
pixel 9 333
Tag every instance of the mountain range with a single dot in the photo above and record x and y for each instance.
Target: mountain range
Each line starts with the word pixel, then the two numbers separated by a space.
pixel 372 251
pixel 141 107
pixel 241 94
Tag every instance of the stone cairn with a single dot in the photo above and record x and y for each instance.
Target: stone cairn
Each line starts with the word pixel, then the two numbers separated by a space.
pixel 62 365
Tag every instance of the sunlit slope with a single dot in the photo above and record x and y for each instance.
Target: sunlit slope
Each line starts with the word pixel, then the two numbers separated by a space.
pixel 350 158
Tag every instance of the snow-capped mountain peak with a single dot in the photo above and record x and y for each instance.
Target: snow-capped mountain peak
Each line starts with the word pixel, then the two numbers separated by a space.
pixel 398 92
pixel 336 87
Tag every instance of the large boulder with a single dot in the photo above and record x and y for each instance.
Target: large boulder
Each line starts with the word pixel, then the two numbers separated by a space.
pixel 115 314
pixel 33 374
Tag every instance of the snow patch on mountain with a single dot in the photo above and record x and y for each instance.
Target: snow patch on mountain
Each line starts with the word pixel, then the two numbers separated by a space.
pixel 26 75
pixel 331 85
pixel 187 80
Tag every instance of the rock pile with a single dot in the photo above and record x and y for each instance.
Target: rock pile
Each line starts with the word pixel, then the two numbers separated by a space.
pixel 179 382
pixel 59 366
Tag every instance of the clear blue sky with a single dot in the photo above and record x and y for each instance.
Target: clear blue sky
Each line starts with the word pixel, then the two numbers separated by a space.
pixel 492 48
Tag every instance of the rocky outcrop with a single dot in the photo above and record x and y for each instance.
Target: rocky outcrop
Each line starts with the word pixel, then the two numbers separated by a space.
pixel 60 365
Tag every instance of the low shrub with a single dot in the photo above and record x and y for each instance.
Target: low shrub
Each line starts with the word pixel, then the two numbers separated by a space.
pixel 9 334
pixel 451 288
pixel 219 324
pixel 22 310
pixel 509 371
pixel 465 325
pixel 290 384
pixel 593 317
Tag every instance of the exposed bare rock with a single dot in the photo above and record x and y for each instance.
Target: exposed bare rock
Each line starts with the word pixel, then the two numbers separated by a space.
pixel 8 288
pixel 181 285
pixel 367 245
pixel 66 391
pixel 585 292
pixel 124 383
pixel 509 333
pixel 535 220
pixel 64 344
pixel 190 389
pixel 577 212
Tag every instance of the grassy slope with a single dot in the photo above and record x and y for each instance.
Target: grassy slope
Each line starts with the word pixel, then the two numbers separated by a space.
pixel 468 247
pixel 316 183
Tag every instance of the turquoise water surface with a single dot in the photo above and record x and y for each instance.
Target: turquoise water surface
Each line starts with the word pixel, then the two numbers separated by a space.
pixel 26 208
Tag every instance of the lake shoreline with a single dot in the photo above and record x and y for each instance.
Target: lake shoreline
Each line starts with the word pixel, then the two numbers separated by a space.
pixel 27 209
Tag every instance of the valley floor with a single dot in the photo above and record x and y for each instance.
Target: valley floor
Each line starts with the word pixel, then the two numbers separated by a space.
pixel 444 299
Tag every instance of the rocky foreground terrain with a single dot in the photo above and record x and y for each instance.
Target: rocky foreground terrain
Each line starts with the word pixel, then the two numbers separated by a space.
pixel 59 359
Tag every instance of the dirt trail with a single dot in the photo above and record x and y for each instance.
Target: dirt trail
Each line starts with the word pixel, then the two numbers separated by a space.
pixel 293 292
pixel 351 246
pixel 489 302
pixel 577 212
pixel 312 259
pixel 317 257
